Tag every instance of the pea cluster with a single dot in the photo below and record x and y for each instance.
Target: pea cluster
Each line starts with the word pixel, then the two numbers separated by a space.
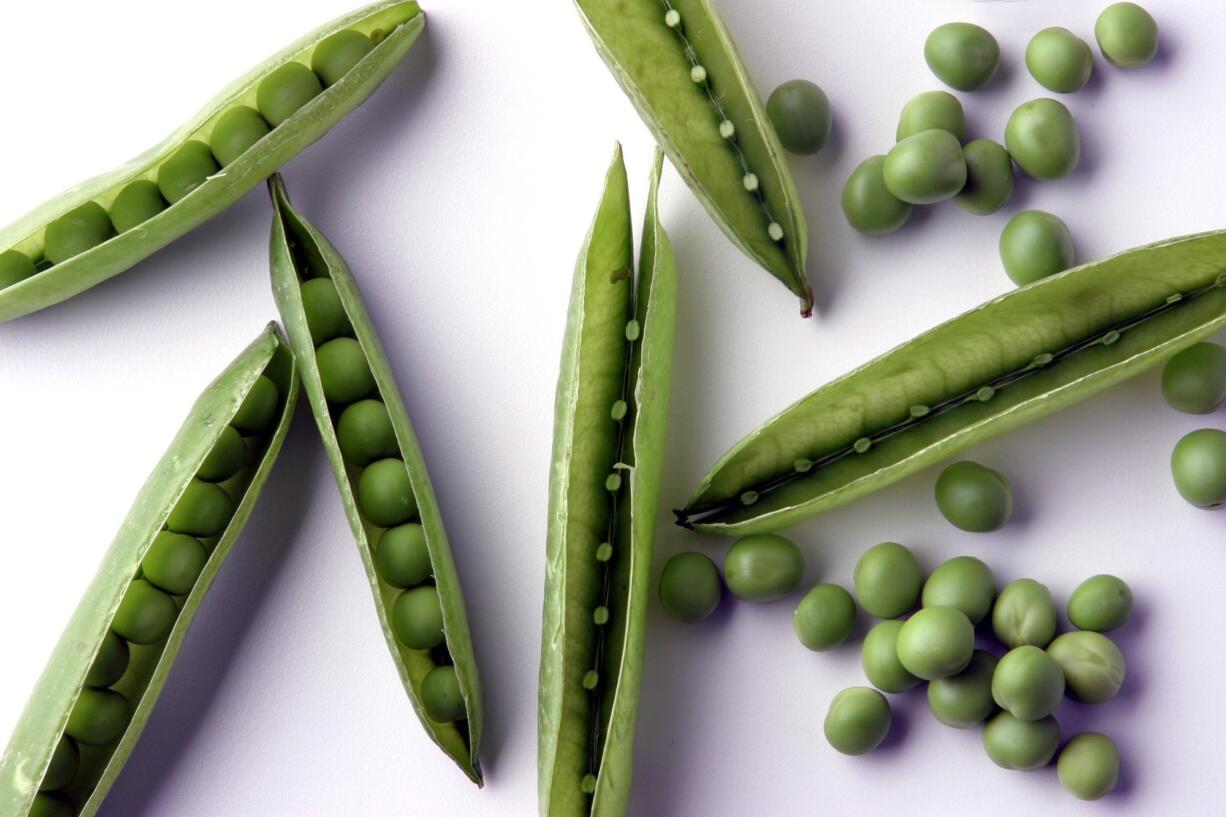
pixel 1194 382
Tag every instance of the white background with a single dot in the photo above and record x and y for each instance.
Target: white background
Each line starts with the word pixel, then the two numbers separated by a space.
pixel 460 193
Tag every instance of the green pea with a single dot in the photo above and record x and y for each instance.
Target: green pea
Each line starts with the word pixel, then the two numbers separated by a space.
pixel 1028 683
pixel 1194 381
pixel 930 110
pixel 137 203
pixel 259 407
pixel 1042 138
pixel 204 510
pixel 1092 665
pixel 965 700
pixel 868 204
pixel 325 314
pixel 365 433
pixel 186 169
pixel 1198 464
pixel 879 658
pixel 285 90
pixel 800 113
pixel 936 642
pixel 763 567
pixel 690 588
pixel 63 767
pixel 1024 613
pixel 173 562
pixel 235 132
pixel 99 716
pixel 963 583
pixel 925 168
pixel 417 618
pixel 1089 766
pixel 15 267
pixel 344 371
pixel 441 696
pixel 338 53
pixel 962 55
pixel 858 720
pixel 52 804
pixel 226 457
pixel 824 617
pixel 1100 603
pixel 1127 35
pixel 76 231
pixel 974 498
pixel 145 615
pixel 1034 245
pixel 1021 745
pixel 888 579
pixel 989 177
pixel 1059 60
pixel 385 493
pixel 110 663
pixel 403 557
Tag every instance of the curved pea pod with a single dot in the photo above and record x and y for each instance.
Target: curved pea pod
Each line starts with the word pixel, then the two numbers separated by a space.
pixel 24 768
pixel 299 253
pixel 679 66
pixel 609 432
pixel 1012 360
pixel 393 27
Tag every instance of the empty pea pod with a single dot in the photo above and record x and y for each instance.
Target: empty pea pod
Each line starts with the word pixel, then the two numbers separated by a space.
pixel 384 484
pixel 105 675
pixel 102 227
pixel 678 64
pixel 1014 359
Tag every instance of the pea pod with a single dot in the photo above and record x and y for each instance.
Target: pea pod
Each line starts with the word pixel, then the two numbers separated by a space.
pixel 98 689
pixel 678 64
pixel 1014 359
pixel 610 416
pixel 253 127
pixel 300 254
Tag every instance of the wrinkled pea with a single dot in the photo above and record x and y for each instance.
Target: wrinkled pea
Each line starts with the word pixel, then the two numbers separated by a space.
pixel 174 562
pixel 1042 138
pixel 235 132
pixel 403 558
pixel 974 498
pixel 879 658
pixel 1198 465
pixel 99 716
pixel 1127 35
pixel 1028 683
pixel 1059 60
pixel 824 618
pixel 1194 381
pixel 1089 766
pixel 338 53
pixel 931 110
pixel 965 700
pixel 441 695
pixel 259 407
pixel 110 663
pixel 76 231
pixel 962 55
pixel 285 90
pixel 385 493
pixel 186 169
pixel 989 177
pixel 800 112
pixel 137 203
pixel 763 567
pixel 417 618
pixel 858 720
pixel 1092 665
pixel 888 579
pixel 1034 245
pixel 364 433
pixel 1021 745
pixel 690 586
pixel 203 510
pixel 344 371
pixel 1024 613
pixel 145 615
pixel 963 583
pixel 936 642
pixel 1100 603
pixel 52 804
pixel 325 314
pixel 64 761
pixel 925 168
pixel 225 459
pixel 15 267
pixel 868 204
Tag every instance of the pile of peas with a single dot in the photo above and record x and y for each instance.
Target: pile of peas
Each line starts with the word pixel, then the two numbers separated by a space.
pixel 278 96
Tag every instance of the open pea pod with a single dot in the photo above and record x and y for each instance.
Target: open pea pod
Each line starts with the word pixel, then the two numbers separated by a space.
pixel 102 227
pixel 105 675
pixel 609 432
pixel 1014 359
pixel 421 610
pixel 678 64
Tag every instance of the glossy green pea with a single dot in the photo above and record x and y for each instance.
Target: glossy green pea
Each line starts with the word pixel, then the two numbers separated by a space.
pixel 15 267
pixel 1059 60
pixel 145 615
pixel 186 169
pixel 1028 683
pixel 800 112
pixel 235 132
pixel 76 231
pixel 858 720
pixel 690 586
pixel 285 90
pixel 931 110
pixel 936 642
pixel 879 658
pixel 325 313
pixel 203 510
pixel 385 493
pixel 974 498
pixel 137 203
pixel 174 562
pixel 989 177
pixel 964 701
pixel 343 370
pixel 963 583
pixel 763 568
pixel 962 55
pixel 1092 665
pixel 441 695
pixel 1024 613
pixel 63 766
pixel 1021 745
pixel 417 618
pixel 1198 464
pixel 364 432
pixel 52 804
pixel 99 716
pixel 1100 603
pixel 258 408
pixel 1034 245
pixel 403 557
pixel 336 55
pixel 868 204
pixel 925 168
pixel 1127 35
pixel 888 579
pixel 1194 381
pixel 110 664
pixel 1042 138
pixel 226 459
pixel 824 618
pixel 1089 766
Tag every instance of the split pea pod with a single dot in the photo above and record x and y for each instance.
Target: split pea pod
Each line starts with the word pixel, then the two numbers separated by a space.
pixel 105 675
pixel 1012 360
pixel 383 481
pixel 678 64
pixel 102 227
pixel 604 486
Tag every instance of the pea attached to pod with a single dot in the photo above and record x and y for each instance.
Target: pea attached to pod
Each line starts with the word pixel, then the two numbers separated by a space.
pixel 225 459
pixel 385 493
pixel 285 90
pixel 336 55
pixel 441 695
pixel 137 203
pixel 325 313
pixel 258 408
pixel 364 432
pixel 344 371
pixel 417 618
pixel 15 267
pixel 110 663
pixel 204 509
pixel 403 557
pixel 186 169
pixel 99 716
pixel 235 132
pixel 63 766
pixel 145 615
pixel 76 231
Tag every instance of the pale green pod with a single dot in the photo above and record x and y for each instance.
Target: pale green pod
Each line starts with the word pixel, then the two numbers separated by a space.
pixel 38 732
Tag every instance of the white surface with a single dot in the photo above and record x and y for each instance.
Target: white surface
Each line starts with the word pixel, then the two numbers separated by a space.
pixel 460 193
